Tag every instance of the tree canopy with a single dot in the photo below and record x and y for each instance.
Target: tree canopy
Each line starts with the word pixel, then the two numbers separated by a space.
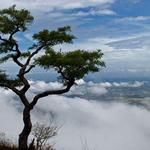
pixel 70 65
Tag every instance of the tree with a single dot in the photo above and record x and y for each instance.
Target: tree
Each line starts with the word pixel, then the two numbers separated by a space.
pixel 42 133
pixel 69 65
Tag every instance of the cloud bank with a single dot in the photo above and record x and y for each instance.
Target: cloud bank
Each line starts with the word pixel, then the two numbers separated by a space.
pixel 95 124
pixel 66 4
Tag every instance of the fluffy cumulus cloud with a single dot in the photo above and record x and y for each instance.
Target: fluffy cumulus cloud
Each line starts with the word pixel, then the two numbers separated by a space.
pixel 127 84
pixel 82 88
pixel 118 84
pixel 85 123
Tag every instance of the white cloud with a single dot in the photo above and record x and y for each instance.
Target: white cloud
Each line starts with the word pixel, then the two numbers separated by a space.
pixel 127 84
pixel 82 88
pixel 52 85
pixel 97 90
pixel 10 119
pixel 80 82
pixel 49 4
pixel 112 44
pixel 94 12
pixel 57 10
pixel 102 88
pixel 103 12
pixel 133 19
pixel 100 125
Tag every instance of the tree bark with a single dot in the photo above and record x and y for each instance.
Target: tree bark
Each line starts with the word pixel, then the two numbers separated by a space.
pixel 23 137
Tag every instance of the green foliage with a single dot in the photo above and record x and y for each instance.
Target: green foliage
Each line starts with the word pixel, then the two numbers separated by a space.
pixel 52 38
pixel 2 76
pixel 5 58
pixel 11 18
pixel 5 80
pixel 25 54
pixel 12 21
pixel 5 47
pixel 73 65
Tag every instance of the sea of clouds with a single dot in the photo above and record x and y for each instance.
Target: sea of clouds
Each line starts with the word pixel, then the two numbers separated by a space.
pixel 84 122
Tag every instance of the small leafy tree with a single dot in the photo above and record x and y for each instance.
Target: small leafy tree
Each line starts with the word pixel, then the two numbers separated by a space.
pixel 69 65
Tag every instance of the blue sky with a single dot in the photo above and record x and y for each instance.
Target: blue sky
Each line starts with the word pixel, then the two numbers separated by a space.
pixel 121 28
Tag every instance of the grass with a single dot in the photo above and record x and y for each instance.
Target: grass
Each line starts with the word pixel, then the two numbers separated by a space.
pixel 7 147
pixel 5 143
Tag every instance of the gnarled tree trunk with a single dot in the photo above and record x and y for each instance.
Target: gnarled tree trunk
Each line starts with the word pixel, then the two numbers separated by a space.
pixel 23 137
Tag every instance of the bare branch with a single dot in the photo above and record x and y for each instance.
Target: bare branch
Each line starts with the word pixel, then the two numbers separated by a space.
pixel 24 80
pixel 37 50
pixel 62 74
pixel 15 57
pixel 14 43
pixel 42 133
pixel 11 87
pixel 32 55
pixel 15 90
pixel 51 92
pixel 29 69
pixel 14 32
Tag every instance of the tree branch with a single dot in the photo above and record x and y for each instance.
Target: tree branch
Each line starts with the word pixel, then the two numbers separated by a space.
pixel 50 92
pixel 23 71
pixel 11 87
pixel 32 55
pixel 24 99
pixel 51 43
pixel 14 43
pixel 19 93
pixel 14 32
pixel 29 69
pixel 15 57
pixel 24 80
pixel 62 74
